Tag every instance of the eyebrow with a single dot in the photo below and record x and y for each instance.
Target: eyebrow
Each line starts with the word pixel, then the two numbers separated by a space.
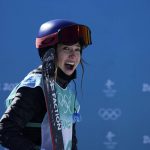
pixel 78 45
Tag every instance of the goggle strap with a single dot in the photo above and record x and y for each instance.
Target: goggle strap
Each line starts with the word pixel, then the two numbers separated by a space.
pixel 48 40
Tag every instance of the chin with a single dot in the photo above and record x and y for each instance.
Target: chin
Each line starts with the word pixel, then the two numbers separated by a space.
pixel 69 73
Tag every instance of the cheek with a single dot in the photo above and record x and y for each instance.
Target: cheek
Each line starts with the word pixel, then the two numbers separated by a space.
pixel 78 60
pixel 60 60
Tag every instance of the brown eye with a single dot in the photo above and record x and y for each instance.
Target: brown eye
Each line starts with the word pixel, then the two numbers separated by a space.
pixel 78 50
pixel 66 48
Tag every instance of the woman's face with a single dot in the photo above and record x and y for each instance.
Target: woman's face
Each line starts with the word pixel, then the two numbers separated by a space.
pixel 68 57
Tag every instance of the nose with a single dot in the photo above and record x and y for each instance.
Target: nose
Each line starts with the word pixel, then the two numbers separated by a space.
pixel 72 53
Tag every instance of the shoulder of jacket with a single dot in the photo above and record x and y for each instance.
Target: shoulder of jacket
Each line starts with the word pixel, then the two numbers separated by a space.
pixel 32 80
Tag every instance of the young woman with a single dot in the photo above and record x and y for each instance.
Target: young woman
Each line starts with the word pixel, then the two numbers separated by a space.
pixel 27 123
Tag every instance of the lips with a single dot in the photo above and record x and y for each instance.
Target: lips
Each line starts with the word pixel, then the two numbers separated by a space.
pixel 69 65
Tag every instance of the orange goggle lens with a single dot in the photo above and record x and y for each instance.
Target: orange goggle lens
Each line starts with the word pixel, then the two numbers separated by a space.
pixel 75 33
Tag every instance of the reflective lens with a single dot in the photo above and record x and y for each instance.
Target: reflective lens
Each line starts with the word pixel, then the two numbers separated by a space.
pixel 75 33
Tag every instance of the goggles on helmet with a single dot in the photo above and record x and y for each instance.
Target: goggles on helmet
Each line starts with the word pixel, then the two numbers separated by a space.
pixel 68 35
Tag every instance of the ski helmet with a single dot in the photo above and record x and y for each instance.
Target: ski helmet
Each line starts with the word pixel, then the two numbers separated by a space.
pixel 62 31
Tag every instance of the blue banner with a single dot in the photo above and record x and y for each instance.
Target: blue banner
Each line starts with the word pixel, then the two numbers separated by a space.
pixel 115 103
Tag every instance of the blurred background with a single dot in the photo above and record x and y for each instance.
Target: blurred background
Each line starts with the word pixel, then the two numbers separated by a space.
pixel 115 103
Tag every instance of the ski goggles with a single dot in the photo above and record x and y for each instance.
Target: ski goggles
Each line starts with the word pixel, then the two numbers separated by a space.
pixel 68 36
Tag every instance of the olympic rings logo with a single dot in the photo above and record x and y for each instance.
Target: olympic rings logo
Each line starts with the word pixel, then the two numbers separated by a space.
pixel 109 114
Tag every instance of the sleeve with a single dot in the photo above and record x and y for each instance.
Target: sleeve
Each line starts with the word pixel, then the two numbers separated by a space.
pixel 77 119
pixel 74 138
pixel 19 113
